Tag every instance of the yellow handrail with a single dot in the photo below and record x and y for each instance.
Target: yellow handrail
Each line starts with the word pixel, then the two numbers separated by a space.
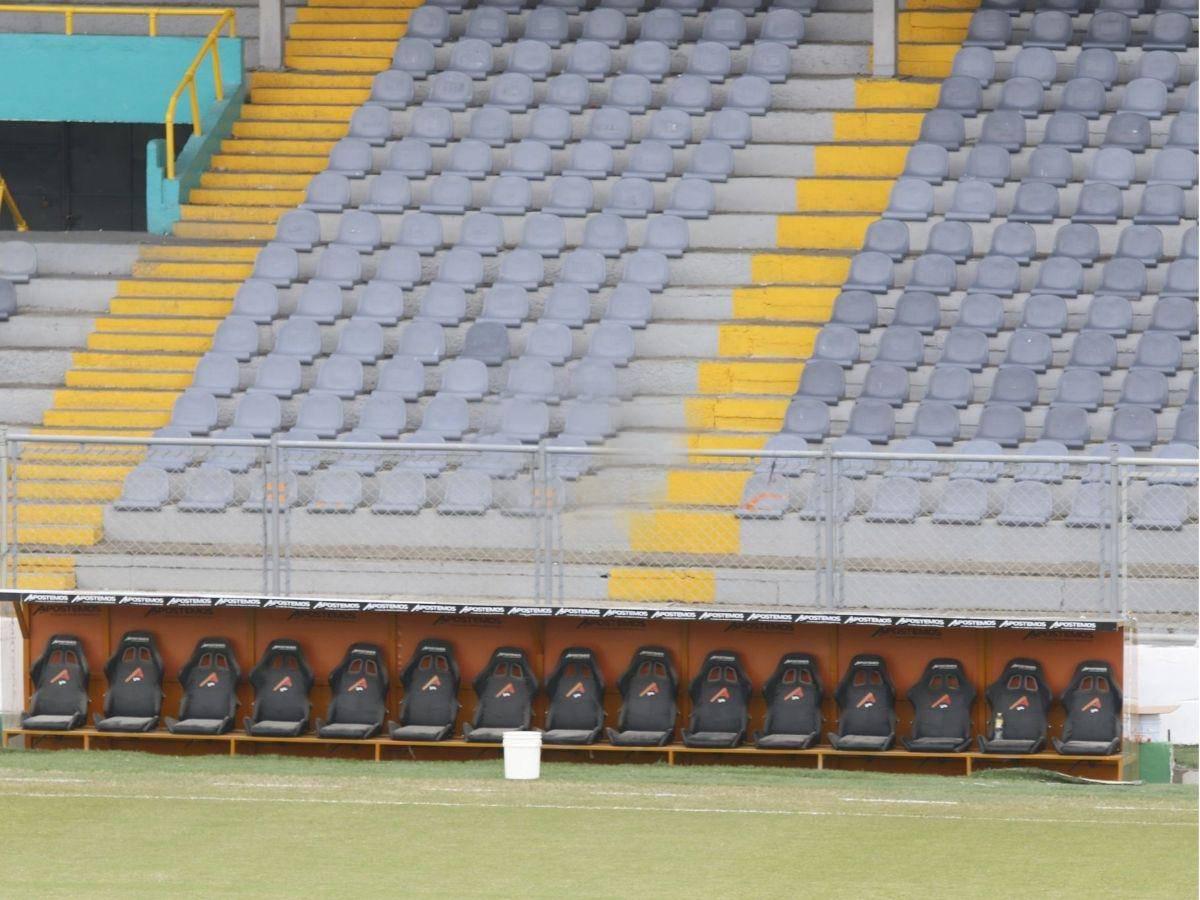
pixel 188 81
pixel 7 199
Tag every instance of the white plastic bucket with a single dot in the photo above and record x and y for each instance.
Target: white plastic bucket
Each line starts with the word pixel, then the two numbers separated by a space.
pixel 522 755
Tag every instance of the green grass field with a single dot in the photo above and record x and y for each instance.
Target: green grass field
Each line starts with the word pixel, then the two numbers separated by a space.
pixel 109 824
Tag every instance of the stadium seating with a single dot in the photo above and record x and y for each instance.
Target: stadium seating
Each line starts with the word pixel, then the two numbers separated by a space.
pixel 793 694
pixel 359 687
pixel 720 695
pixel 941 699
pixel 133 701
pixel 282 681
pixel 575 687
pixel 60 678
pixel 505 688
pixel 866 702
pixel 1018 703
pixel 430 705
pixel 1093 705
pixel 648 690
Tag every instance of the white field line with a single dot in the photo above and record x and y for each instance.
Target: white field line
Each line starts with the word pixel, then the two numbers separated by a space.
pixel 1182 809
pixel 917 802
pixel 568 807
pixel 23 780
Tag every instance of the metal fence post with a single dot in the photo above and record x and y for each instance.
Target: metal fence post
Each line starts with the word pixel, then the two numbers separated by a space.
pixel 1113 550
pixel 1120 547
pixel 545 549
pixel 274 498
pixel 830 491
pixel 5 582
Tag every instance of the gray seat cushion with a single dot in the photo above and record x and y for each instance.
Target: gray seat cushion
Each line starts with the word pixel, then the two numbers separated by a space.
pixel 274 728
pixel 569 736
pixel 351 730
pixel 199 726
pixel 786 741
pixel 485 735
pixel 52 723
pixel 127 723
pixel 421 732
pixel 711 738
pixel 638 738
pixel 861 741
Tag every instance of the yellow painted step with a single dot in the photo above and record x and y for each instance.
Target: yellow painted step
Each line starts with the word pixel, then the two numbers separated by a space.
pixel 795 268
pixel 308 96
pixel 107 378
pixel 735 413
pixel 71 455
pixel 230 231
pixel 335 14
pixel 120 306
pixel 871 93
pixel 925 60
pixel 283 112
pixel 113 399
pixel 276 149
pixel 296 80
pixel 260 197
pixel 355 32
pixel 160 326
pixel 215 290
pixel 669 531
pixel 791 304
pixel 148 342
pixel 367 4
pixel 932 27
pixel 30 473
pixel 701 488
pixel 822 232
pixel 57 535
pixel 941 4
pixel 680 585
pixel 725 442
pixel 865 161
pixel 286 130
pixel 258 165
pixel 842 194
pixel 210 253
pixel 45 581
pixel 79 492
pixel 380 50
pixel 765 341
pixel 77 431
pixel 59 514
pixel 253 180
pixel 874 126
pixel 110 419
pixel 334 63
pixel 719 377
pixel 141 362
pixel 250 215
pixel 198 269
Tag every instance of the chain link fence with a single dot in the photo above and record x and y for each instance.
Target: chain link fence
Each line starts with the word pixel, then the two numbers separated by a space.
pixel 578 525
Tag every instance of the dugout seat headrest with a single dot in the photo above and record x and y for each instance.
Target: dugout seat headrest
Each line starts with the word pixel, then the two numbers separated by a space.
pixel 720 695
pixel 505 688
pixel 1093 705
pixel 793 694
pixel 209 680
pixel 866 700
pixel 1018 703
pixel 60 686
pixel 649 688
pixel 576 691
pixel 282 681
pixel 430 704
pixel 941 701
pixel 358 694
pixel 134 698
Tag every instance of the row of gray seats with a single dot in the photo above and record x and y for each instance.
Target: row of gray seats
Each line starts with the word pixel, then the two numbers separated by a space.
pixel 1130 8
pixel 1058 29
pixel 628 7
pixel 1098 64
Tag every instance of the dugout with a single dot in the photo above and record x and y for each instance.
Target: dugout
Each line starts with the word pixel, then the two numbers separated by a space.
pixel 325 628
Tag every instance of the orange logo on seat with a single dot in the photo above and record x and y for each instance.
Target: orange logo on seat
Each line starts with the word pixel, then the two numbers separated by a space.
pixel 720 696
pixel 507 691
pixel 284 684
pixel 432 684
pixel 1020 704
pixel 62 677
pixel 575 691
pixel 1093 705
pixel 210 681
pixel 797 693
pixel 941 702
pixel 358 686
pixel 650 690
pixel 135 676
pixel 866 702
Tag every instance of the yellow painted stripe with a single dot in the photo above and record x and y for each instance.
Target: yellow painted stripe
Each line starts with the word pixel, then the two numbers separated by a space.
pixel 230 231
pixel 864 160
pixel 159 326
pixel 842 194
pixel 725 442
pixel 306 96
pixel 119 306
pixel 260 197
pixel 254 180
pixel 276 149
pixel 260 215
pixel 60 514
pixel 147 362
pixel 735 413
pixel 701 488
pixel 39 472
pixel 206 271
pixel 78 492
pixel 349 49
pixel 148 342
pixel 335 63
pixel 234 163
pixel 681 585
pixel 365 4
pixel 869 126
pixel 57 535
pixel 770 341
pixel 353 32
pixel 288 130
pixel 669 531
pixel 822 232
pixel 870 93
pixel 748 377
pixel 287 112
pixel 941 4
pixel 933 27
pixel 126 418
pixel 107 378
pixel 924 68
pixel 214 290
pixel 792 304
pixel 296 80
pixel 113 399
pixel 794 268
pixel 317 14
pixel 212 253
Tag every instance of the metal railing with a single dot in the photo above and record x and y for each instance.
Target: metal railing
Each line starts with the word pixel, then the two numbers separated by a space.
pixel 573 526
pixel 209 48
pixel 9 202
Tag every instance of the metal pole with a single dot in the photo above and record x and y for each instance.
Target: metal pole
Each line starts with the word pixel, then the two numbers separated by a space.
pixel 274 497
pixel 829 489
pixel 883 39
pixel 546 540
pixel 4 579
pixel 1120 561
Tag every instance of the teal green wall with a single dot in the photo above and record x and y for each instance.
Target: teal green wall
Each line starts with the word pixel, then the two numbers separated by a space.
pixel 105 78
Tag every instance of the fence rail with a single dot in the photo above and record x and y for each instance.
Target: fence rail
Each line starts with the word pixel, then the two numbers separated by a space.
pixel 572 525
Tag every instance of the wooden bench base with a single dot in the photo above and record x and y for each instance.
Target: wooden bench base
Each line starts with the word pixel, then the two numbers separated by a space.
pixel 236 743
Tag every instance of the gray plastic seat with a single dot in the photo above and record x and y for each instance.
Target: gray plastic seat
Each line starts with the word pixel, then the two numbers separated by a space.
pixel 836 343
pixel 593 380
pixel 393 89
pixel 822 380
pixel 216 374
pixel 651 59
pixel 414 55
pixel 350 157
pixel 1108 29
pixel 726 26
pixel 1136 426
pixel 336 491
pixel 568 93
pixel 1144 387
pixel 321 414
pixel 1046 313
pixel 874 420
pixel 870 271
pixel 372 124
pixel 1004 128
pixel 507 304
pixel 1026 503
pixel 1035 201
pixel 1174 165
pixel 400 493
pixel 450 90
pixel 1066 129
pixel 481 233
pixel 919 310
pixel 277 264
pixel 529 159
pixel 528 421
pixel 1161 204
pixel 897 500
pixel 977 62
pixel 1084 96
pixel 1159 350
pixel 327 192
pixel 632 93
pixel 1183 131
pixel 671 126
pixel 361 339
pixel 300 229
pixel 208 488
pixel 340 265
pixel 1015 240
pixel 528 60
pixel 1099 63
pixel 1049 28
pixel 855 309
pixel 807 418
pixel 420 231
pixel 277 374
pixel 258 414
pixel 320 301
pixel 1022 95
pixel 913 469
pixel 929 162
pixel 471 159
pixel 1033 61
pixel 383 414
pixel 630 305
pixel 194 411
pixel 299 337
pixel 666 234
pixel 612 342
pixel 1111 314
pixel 487 342
pixel 691 93
pixel 631 198
pixel 567 304
pixel 650 159
pixel 570 196
pixel 448 195
pixel 1180 280
pixel 146 487
pixel 790 467
pixel 1050 164
pixel 710 61
pixel 988 162
pixel 446 417
pixel 486 23
pixel 996 274
pixel 400 266
pixel 431 23
pixel 964 501
pixel 943 127
pixel 989 28
pixel 935 421
pixel 902 346
pixel 784 26
pixel 402 377
pixel 889 237
pixel 1123 276
pixel 1184 476
pixel 590 159
pixel 750 93
pixel 974 201
pixel 389 192
pixel 981 311
pixel 1029 348
pixel 510 195
pixel 1147 96
pixel 1078 241
pixel 962 94
pixel 648 268
pixel 1185 425
pixel 511 92
pixel 1168 31
pixel 974 470
pixel 662 25
pixel 546 23
pixel 410 157
pixel 584 267
pixel 522 267
pixel 1099 202
pixel 1017 385
pixel 911 200
pixel 549 125
pixel 966 348
pixel 256 300
pixel 592 421
pixel 590 59
pixel 531 379
pixel 1068 425
pixel 1163 507
pixel 605 233
pixel 1128 129
pixel 764 496
pixel 770 60
pixel 1095 350
pixel 933 272
pixel 464 377
pixel 1079 387
pixel 611 126
pixel 423 341
pixel 1003 423
pixel 238 336
pixel 360 230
